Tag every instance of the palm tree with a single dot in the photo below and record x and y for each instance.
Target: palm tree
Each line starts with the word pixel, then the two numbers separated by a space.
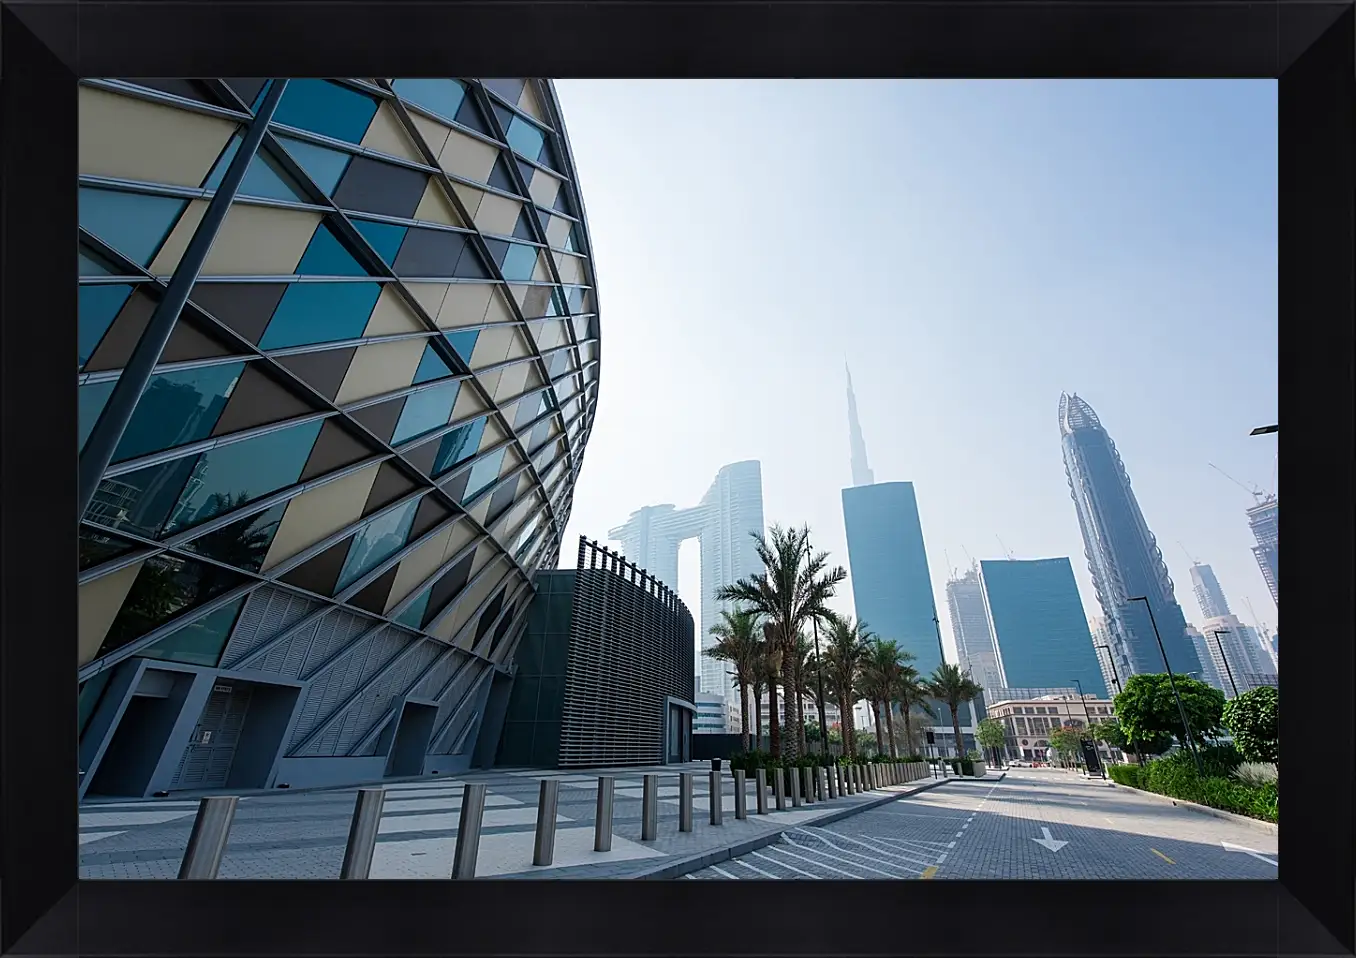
pixel 772 657
pixel 954 685
pixel 738 642
pixel 881 675
pixel 911 692
pixel 794 586
pixel 845 650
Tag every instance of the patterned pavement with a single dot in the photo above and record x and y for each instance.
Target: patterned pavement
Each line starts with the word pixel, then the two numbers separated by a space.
pixel 1035 824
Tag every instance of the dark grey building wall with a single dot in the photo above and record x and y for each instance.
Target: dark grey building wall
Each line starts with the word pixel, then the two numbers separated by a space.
pixel 532 720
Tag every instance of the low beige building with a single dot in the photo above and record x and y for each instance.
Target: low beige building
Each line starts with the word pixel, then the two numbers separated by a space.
pixel 1029 721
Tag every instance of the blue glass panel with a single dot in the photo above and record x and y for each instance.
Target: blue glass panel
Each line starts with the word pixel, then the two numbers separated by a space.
pixel 200 642
pixel 425 411
pixel 99 306
pixel 178 408
pixel 262 177
pixel 325 167
pixel 431 367
pixel 379 539
pixel 230 476
pixel 558 305
pixel 483 473
pixel 575 298
pixel 89 266
pixel 326 108
pixel 92 397
pixel 413 616
pixel 458 446
pixel 385 238
pixel 519 262
pixel 327 256
pixel 524 138
pixel 135 224
pixel 320 313
pixel 443 97
pixel 463 342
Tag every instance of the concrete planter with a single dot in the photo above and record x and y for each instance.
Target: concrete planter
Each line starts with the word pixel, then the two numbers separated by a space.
pixel 978 770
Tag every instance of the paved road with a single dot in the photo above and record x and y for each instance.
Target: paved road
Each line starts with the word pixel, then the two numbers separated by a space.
pixel 983 829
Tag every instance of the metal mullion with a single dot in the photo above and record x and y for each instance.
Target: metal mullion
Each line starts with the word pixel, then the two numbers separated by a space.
pixel 341 146
pixel 205 445
pixel 479 241
pixel 510 601
pixel 117 412
pixel 452 603
pixel 442 569
pixel 514 108
pixel 166 99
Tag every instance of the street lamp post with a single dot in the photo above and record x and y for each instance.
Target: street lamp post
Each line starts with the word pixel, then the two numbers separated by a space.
pixel 1088 719
pixel 1182 713
pixel 820 693
pixel 1218 633
pixel 1112 662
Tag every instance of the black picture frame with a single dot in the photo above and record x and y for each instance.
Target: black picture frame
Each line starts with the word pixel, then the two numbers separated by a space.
pixel 44 47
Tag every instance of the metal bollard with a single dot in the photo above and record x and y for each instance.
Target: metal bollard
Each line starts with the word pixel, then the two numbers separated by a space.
pixel 544 844
pixel 741 798
pixel 780 788
pixel 207 841
pixel 838 781
pixel 833 783
pixel 822 783
pixel 603 815
pixel 808 783
pixel 685 801
pixel 714 797
pixel 795 775
pixel 469 831
pixel 761 791
pixel 367 816
pixel 650 808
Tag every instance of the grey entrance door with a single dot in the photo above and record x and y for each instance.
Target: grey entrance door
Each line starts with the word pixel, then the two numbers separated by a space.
pixel 207 759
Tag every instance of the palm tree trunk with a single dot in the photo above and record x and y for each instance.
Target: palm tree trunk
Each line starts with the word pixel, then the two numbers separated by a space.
pixel 789 697
pixel 774 731
pixel 880 739
pixel 744 716
pixel 799 678
pixel 890 727
pixel 956 730
pixel 758 716
pixel 909 730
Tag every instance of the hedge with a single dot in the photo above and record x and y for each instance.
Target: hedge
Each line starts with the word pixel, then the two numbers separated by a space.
pixel 1178 778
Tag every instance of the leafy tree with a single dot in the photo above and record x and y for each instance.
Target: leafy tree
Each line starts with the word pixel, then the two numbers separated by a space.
pixel 738 642
pixel 1149 715
pixel 954 685
pixel 990 734
pixel 794 586
pixel 1065 740
pixel 1252 720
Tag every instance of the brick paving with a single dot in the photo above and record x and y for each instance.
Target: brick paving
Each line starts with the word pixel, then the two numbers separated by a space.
pixel 986 829
pixel 295 835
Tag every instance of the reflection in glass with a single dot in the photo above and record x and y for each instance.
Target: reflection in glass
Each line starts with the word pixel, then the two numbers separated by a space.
pixel 326 108
pixel 425 411
pixel 166 586
pixel 99 306
pixel 96 547
pixel 458 446
pixel 382 536
pixel 134 224
pixel 245 543
pixel 483 474
pixel 238 473
pixel 320 313
pixel 177 408
pixel 92 397
pixel 413 616
pixel 140 501
pixel 200 642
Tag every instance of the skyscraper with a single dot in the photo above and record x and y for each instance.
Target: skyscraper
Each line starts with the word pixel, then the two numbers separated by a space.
pixel 1112 659
pixel 862 473
pixel 1263 524
pixel 1123 557
pixel 892 589
pixel 1210 596
pixel 1230 641
pixel 1038 624
pixel 1212 673
pixel 971 630
pixel 724 523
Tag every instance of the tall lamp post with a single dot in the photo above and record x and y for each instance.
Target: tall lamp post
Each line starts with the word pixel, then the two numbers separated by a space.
pixel 820 693
pixel 1218 633
pixel 1112 662
pixel 1088 719
pixel 1182 713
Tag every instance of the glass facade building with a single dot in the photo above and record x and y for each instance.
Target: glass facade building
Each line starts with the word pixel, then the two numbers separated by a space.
pixel 315 514
pixel 892 588
pixel 1263 525
pixel 1123 557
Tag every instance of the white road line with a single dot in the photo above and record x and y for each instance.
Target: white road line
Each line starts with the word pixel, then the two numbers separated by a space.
pixel 845 857
pixel 812 861
pixel 873 848
pixel 784 864
pixel 87 837
pixel 913 846
pixel 957 835
pixel 942 858
pixel 689 875
pixel 951 844
pixel 746 864
pixel 723 873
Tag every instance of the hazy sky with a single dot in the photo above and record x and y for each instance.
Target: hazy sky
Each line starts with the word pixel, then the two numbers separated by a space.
pixel 971 249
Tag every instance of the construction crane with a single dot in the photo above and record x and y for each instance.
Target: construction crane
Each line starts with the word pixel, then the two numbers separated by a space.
pixel 1190 557
pixel 1257 493
pixel 1007 554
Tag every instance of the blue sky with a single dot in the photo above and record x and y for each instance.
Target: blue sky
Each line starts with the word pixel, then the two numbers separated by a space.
pixel 971 248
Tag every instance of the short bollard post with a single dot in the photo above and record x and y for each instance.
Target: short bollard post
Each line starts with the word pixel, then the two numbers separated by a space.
pixel 780 788
pixel 367 816
pixel 650 808
pixel 685 801
pixel 207 841
pixel 822 783
pixel 544 845
pixel 850 774
pixel 714 797
pixel 833 789
pixel 741 798
pixel 838 781
pixel 603 815
pixel 761 791
pixel 795 775
pixel 807 788
pixel 469 830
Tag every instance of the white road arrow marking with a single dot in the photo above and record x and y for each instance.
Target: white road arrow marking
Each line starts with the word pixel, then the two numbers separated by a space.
pixel 1048 841
pixel 1251 852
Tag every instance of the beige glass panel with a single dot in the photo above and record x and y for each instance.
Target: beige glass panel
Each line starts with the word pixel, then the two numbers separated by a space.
pixel 391 316
pixel 386 135
pixel 498 214
pixel 470 197
pixel 433 133
pixel 492 346
pixel 134 139
pixel 381 368
pixel 544 189
pixel 435 207
pixel 466 605
pixel 465 304
pixel 98 604
pixel 530 104
pixel 558 229
pixel 519 348
pixel 468 157
pixel 173 251
pixel 540 272
pixel 261 241
pixel 429 295
pixel 512 381
pixel 571 269
pixel 468 403
pixel 320 512
pixel 499 311
pixel 418 566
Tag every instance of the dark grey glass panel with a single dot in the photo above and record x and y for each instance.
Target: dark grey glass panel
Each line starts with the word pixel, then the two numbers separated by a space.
pixel 511 88
pixel 373 596
pixel 165 588
pixel 336 448
pixel 121 338
pixel 256 401
pixel 245 307
pixel 449 584
pixel 391 484
pixel 247 89
pixel 371 186
pixel 323 371
pixel 319 573
pixel 99 306
pixel 437 253
pixel 380 418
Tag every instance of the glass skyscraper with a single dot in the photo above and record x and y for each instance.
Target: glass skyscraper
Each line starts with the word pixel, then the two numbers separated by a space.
pixel 1122 554
pixel 1263 525
pixel 1038 625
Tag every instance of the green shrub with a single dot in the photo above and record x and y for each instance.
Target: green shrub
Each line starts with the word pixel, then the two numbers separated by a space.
pixel 1130 775
pixel 914 758
pixel 1176 776
pixel 1252 720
